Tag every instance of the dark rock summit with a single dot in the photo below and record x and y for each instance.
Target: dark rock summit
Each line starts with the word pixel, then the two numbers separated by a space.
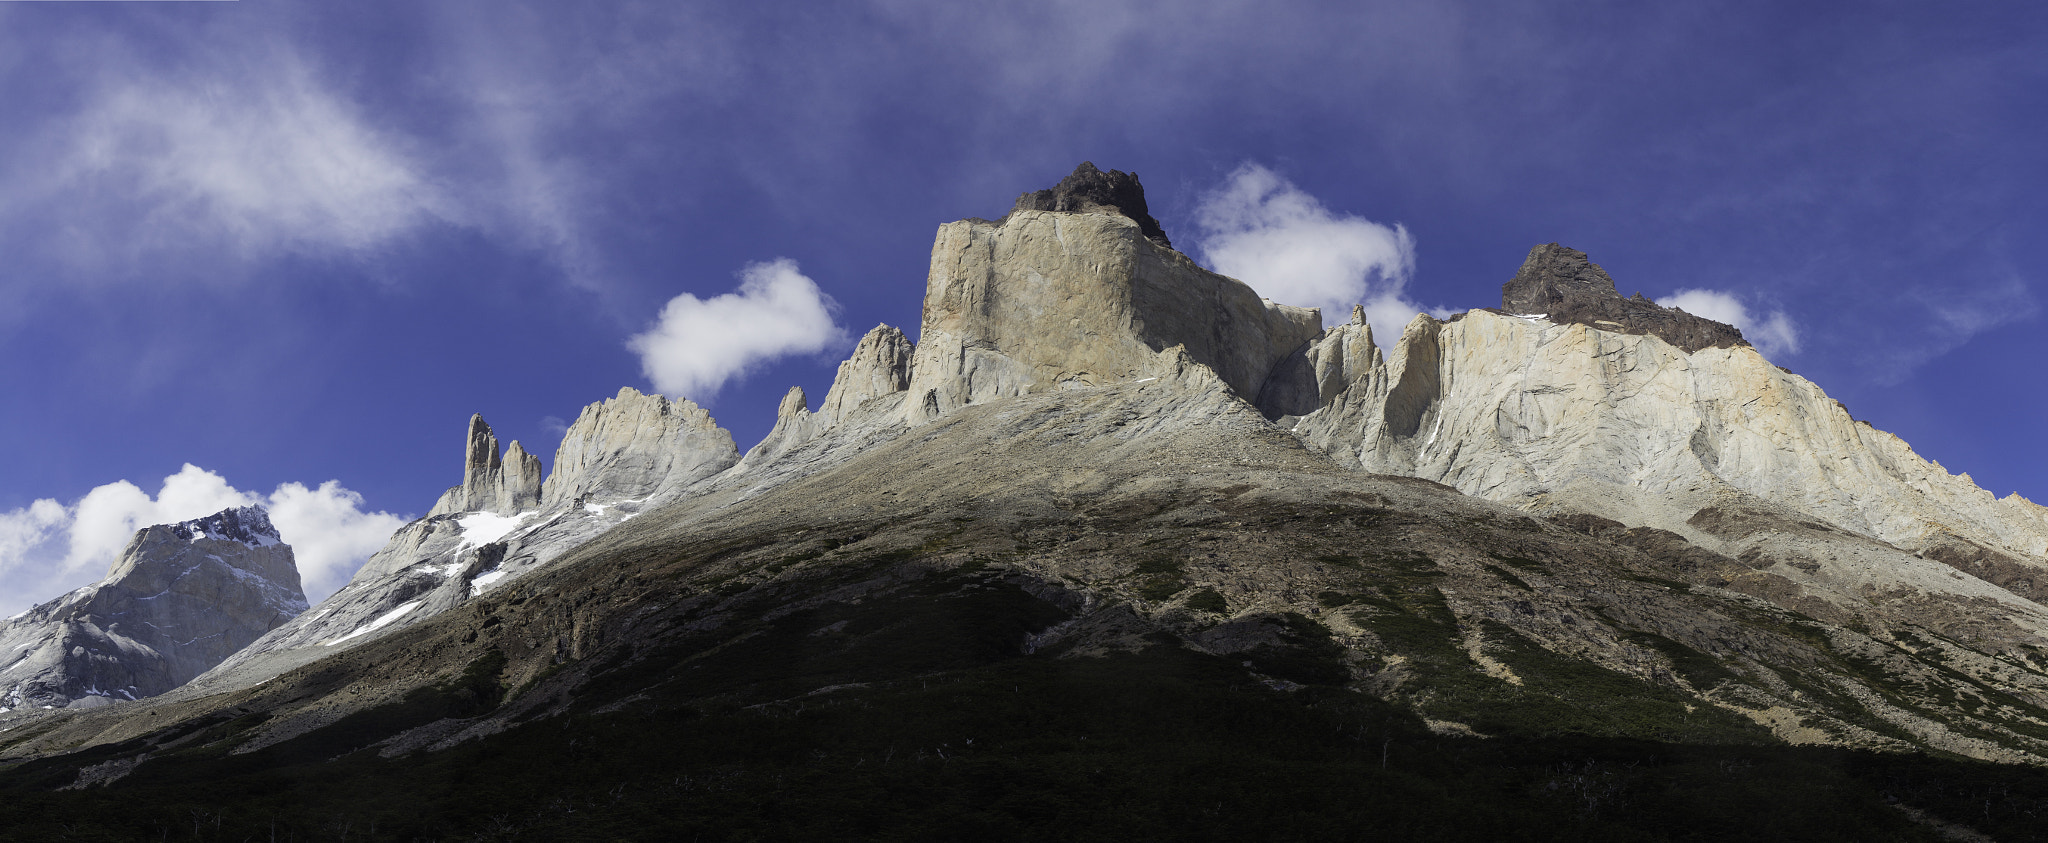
pixel 1090 189
pixel 1565 287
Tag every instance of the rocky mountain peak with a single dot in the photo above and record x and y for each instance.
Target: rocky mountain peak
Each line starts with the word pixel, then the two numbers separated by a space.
pixel 181 598
pixel 635 445
pixel 1089 189
pixel 249 525
pixel 1565 287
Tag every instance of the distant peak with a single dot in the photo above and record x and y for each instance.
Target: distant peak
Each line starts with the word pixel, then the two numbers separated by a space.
pixel 249 525
pixel 1091 189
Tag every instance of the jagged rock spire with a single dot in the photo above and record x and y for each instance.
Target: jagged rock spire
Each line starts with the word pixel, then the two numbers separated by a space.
pixel 1090 189
pixel 1567 288
pixel 491 483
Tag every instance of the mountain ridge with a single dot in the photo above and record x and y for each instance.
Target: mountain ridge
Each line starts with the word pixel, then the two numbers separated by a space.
pixel 1503 526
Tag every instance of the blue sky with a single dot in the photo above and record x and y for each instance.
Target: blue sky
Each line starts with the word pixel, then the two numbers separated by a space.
pixel 296 244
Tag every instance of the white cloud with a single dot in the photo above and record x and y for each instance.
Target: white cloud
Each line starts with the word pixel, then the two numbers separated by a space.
pixel 252 157
pixel 1261 229
pixel 47 548
pixel 1771 333
pixel 699 344
pixel 330 533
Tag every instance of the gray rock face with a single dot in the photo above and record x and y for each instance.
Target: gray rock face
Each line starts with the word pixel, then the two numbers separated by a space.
pixel 181 598
pixel 1046 300
pixel 1089 190
pixel 634 445
pixel 491 483
pixel 1562 286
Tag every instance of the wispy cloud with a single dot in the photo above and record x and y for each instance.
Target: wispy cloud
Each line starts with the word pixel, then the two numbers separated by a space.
pixel 697 345
pixel 1261 229
pixel 1772 333
pixel 1943 318
pixel 48 548
pixel 247 158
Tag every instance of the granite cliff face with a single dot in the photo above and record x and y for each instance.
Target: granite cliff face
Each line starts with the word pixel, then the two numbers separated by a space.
pixel 1048 300
pixel 181 598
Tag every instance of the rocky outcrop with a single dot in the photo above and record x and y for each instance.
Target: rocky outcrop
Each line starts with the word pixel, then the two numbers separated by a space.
pixel 491 483
pixel 634 446
pixel 879 366
pixel 1560 285
pixel 1089 190
pixel 181 598
pixel 1046 300
pixel 795 424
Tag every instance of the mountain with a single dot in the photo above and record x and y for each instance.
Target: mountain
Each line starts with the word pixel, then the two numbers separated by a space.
pixel 621 457
pixel 180 598
pixel 1116 548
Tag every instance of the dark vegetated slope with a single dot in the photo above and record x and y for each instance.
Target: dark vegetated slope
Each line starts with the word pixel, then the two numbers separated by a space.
pixel 1071 643
pixel 914 713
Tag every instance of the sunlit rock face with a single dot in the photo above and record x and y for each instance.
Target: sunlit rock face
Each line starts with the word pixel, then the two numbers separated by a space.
pixel 180 599
pixel 1046 299
pixel 634 446
pixel 1554 417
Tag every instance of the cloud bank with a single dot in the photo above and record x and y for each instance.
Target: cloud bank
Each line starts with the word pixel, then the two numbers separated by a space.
pixel 1261 229
pixel 1771 333
pixel 697 345
pixel 48 548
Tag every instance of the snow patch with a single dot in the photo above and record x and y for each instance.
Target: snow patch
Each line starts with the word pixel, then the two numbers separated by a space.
pixel 383 620
pixel 481 528
pixel 476 586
